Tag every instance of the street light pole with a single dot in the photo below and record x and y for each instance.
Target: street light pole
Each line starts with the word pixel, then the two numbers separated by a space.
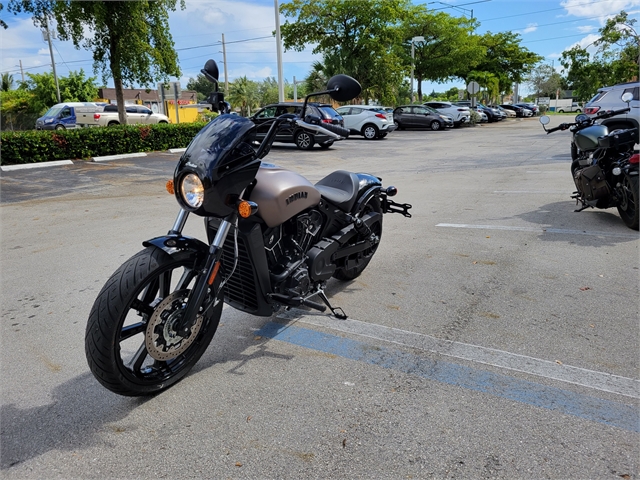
pixel 413 56
pixel 279 54
pixel 53 62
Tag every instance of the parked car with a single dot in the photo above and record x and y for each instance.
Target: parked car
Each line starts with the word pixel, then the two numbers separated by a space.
pixel 483 116
pixel 505 113
pixel 610 98
pixel 303 139
pixel 448 121
pixel 519 111
pixel 530 106
pixel 415 116
pixel 458 113
pixel 135 114
pixel 367 120
pixel 493 114
pixel 68 115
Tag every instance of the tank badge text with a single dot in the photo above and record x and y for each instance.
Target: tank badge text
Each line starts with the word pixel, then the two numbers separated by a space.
pixel 296 196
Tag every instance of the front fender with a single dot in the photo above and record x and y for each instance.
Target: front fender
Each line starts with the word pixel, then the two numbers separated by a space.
pixel 173 244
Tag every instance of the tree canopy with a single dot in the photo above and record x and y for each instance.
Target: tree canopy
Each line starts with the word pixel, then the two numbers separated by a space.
pixel 130 40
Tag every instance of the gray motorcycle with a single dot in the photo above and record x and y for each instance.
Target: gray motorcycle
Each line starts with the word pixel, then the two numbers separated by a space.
pixel 274 239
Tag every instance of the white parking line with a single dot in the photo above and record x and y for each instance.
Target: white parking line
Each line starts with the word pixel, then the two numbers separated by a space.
pixel 540 230
pixel 107 158
pixel 497 358
pixel 22 166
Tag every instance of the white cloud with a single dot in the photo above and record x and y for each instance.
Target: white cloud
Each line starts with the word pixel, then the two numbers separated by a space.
pixel 597 8
pixel 586 28
pixel 531 27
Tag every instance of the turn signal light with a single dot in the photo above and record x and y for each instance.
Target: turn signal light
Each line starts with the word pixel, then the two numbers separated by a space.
pixel 635 158
pixel 246 209
pixel 169 187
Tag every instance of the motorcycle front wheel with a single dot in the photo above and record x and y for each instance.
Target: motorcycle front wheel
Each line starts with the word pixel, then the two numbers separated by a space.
pixel 628 206
pixel 130 344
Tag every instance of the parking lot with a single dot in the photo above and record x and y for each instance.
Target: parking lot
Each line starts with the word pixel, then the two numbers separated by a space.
pixel 494 335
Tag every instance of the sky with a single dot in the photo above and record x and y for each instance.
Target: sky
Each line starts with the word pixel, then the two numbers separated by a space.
pixel 546 27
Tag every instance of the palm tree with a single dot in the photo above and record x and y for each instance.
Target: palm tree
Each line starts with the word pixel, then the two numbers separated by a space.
pixel 243 93
pixel 6 82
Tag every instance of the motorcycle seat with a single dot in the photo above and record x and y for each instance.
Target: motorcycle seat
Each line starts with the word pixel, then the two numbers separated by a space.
pixel 340 188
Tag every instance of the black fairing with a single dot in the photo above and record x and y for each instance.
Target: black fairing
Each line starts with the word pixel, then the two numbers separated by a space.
pixel 223 158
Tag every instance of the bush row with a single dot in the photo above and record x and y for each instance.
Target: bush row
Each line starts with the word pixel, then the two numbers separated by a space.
pixel 46 145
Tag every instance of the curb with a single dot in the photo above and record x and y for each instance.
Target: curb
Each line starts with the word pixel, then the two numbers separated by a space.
pixel 54 163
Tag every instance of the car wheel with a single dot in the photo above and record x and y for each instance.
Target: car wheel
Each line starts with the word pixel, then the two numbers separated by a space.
pixel 578 110
pixel 397 124
pixel 304 140
pixel 370 132
pixel 60 127
pixel 435 125
pixel 561 111
pixel 325 145
pixel 111 124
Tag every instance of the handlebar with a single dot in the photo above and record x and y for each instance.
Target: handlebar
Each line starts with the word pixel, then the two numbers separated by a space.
pixel 612 113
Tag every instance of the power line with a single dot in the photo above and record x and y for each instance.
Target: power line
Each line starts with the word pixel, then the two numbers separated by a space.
pixel 543 11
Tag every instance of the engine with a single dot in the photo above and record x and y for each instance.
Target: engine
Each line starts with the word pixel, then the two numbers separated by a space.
pixel 286 247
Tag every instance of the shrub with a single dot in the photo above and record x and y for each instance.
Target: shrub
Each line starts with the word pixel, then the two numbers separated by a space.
pixel 46 145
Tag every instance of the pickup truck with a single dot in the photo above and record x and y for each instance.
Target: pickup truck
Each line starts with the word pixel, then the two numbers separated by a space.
pixel 135 114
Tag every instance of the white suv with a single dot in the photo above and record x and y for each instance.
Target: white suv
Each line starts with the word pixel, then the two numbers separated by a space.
pixel 370 121
pixel 458 113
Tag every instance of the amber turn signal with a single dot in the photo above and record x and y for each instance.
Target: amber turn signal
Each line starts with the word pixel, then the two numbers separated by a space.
pixel 246 209
pixel 169 187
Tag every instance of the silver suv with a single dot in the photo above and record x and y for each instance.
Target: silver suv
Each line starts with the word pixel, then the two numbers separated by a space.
pixel 610 98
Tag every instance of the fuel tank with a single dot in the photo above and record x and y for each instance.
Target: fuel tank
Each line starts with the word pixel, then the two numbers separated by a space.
pixel 587 138
pixel 281 194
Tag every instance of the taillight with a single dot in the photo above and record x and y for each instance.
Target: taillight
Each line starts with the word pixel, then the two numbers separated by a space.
pixel 635 158
pixel 379 115
pixel 591 110
pixel 327 120
pixel 96 116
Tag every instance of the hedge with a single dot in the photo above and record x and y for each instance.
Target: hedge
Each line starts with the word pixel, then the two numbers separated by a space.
pixel 45 145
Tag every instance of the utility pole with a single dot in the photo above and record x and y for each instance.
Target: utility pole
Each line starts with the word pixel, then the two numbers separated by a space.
pixel 279 54
pixel 53 63
pixel 224 60
pixel 21 71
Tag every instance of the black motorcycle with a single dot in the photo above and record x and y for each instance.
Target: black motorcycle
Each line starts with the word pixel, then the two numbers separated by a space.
pixel 604 166
pixel 273 241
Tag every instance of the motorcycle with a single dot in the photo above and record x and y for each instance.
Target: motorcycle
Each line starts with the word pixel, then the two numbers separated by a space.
pixel 605 167
pixel 274 239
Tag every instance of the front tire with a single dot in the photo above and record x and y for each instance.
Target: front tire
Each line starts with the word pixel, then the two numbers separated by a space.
pixel 360 260
pixel 129 343
pixel 304 140
pixel 435 125
pixel 628 207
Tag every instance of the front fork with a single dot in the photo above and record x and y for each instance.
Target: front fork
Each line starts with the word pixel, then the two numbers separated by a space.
pixel 206 275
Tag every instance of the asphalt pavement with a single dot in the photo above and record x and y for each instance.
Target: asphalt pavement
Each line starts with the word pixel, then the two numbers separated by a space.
pixel 494 335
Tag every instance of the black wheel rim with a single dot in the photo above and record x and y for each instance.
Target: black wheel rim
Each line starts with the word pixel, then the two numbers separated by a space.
pixel 132 356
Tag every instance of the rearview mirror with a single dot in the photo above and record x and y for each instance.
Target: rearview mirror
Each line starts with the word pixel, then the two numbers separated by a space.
pixel 343 88
pixel 210 71
pixel 544 120
pixel 627 97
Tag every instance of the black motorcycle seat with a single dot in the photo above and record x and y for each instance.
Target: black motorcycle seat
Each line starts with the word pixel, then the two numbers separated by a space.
pixel 340 188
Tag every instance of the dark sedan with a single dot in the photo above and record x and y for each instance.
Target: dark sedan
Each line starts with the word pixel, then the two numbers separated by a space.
pixel 417 116
pixel 519 110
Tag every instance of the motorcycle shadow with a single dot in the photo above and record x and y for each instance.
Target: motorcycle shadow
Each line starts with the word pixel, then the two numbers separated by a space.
pixel 593 227
pixel 78 415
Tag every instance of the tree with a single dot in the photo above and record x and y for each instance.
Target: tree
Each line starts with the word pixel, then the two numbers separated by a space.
pixel 74 88
pixel 18 110
pixel 243 93
pixel 355 37
pixel 130 40
pixel 449 46
pixel 545 80
pixel 2 23
pixel 202 86
pixel 6 82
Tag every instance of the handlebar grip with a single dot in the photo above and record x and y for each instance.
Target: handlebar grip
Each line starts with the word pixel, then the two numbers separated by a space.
pixel 337 129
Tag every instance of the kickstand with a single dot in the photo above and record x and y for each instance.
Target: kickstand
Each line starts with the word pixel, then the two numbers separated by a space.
pixel 337 312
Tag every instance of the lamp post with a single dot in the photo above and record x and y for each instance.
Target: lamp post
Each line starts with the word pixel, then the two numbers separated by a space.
pixel 413 56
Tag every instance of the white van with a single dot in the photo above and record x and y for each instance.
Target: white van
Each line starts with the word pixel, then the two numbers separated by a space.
pixel 68 115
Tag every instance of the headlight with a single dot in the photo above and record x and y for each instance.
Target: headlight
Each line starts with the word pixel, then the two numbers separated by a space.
pixel 192 190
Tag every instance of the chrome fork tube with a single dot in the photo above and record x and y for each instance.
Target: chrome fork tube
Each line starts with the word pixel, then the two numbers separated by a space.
pixel 181 220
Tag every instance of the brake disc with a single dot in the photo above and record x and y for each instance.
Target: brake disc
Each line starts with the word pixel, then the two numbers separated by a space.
pixel 161 339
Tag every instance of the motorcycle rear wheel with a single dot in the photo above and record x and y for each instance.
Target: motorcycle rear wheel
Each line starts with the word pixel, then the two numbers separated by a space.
pixel 131 320
pixel 628 207
pixel 363 258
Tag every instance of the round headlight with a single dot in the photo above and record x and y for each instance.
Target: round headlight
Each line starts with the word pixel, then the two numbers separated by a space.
pixel 192 190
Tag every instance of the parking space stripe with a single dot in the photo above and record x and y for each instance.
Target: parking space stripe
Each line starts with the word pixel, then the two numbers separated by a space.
pixel 590 408
pixel 540 230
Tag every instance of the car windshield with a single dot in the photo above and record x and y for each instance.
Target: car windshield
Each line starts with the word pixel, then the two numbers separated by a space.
pixel 432 110
pixel 53 112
